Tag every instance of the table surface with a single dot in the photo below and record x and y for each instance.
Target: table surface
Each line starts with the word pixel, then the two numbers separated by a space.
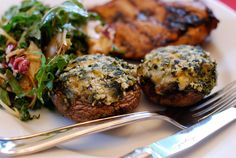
pixel 230 3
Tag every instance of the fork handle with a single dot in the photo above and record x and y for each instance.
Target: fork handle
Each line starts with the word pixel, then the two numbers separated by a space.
pixel 47 140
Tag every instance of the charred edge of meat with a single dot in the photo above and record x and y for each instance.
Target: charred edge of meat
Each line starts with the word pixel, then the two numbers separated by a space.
pixel 212 20
pixel 178 19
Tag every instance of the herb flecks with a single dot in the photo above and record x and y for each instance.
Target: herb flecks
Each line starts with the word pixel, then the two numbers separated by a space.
pixel 188 67
pixel 98 78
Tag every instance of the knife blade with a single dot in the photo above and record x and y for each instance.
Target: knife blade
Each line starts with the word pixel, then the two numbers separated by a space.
pixel 186 138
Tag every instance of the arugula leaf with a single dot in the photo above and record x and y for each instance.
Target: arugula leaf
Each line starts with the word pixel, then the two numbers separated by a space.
pixel 68 16
pixel 21 104
pixel 5 97
pixel 69 12
pixel 9 14
pixel 79 42
pixel 16 88
pixel 2 47
pixel 48 72
pixel 95 16
pixel 24 113
pixel 22 22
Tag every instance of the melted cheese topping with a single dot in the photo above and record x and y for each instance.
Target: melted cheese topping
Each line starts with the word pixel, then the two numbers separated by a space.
pixel 98 78
pixel 188 67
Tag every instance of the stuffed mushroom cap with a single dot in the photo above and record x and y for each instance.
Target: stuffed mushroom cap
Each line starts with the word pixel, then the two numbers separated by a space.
pixel 177 75
pixel 96 86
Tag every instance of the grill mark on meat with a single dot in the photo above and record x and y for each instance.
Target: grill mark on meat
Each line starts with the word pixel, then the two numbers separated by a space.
pixel 118 17
pixel 156 40
pixel 175 23
pixel 180 20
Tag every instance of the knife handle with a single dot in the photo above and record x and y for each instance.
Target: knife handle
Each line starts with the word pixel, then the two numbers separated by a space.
pixel 141 153
pixel 186 138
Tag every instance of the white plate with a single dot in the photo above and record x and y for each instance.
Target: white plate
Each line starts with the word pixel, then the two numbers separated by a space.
pixel 117 142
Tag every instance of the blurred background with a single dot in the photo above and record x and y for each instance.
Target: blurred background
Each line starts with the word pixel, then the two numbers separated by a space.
pixel 231 3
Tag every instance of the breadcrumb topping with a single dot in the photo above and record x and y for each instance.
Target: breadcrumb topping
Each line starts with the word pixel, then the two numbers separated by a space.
pixel 98 78
pixel 181 68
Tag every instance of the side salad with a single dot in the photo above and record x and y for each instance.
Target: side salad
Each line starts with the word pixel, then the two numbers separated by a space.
pixel 36 44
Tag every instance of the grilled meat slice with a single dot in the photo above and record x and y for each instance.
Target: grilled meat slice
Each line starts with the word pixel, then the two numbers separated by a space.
pixel 141 26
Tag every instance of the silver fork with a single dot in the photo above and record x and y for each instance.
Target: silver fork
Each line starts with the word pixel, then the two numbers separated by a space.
pixel 181 118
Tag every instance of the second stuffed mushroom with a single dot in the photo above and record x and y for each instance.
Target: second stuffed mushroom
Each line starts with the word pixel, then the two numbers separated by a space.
pixel 177 75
